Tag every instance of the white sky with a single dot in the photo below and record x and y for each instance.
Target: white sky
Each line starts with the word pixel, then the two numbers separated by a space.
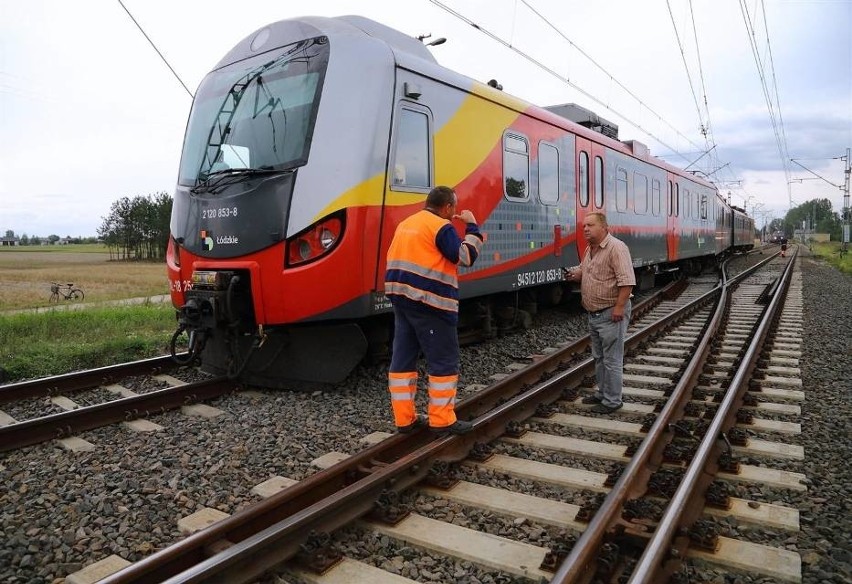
pixel 89 113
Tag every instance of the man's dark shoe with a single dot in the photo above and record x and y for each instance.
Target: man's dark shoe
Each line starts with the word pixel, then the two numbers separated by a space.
pixel 419 422
pixel 591 400
pixel 459 427
pixel 602 409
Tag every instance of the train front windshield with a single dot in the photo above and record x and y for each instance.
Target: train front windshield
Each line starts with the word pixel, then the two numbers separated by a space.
pixel 257 114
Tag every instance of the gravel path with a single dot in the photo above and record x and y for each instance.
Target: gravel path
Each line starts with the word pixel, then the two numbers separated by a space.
pixel 61 511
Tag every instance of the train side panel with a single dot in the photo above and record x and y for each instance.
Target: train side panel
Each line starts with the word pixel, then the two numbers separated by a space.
pixel 477 132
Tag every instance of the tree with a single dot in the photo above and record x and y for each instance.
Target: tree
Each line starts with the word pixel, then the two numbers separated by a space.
pixel 10 234
pixel 138 228
pixel 814 215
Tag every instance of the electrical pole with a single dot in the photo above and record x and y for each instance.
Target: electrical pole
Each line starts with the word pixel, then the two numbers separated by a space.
pixel 846 210
pixel 845 188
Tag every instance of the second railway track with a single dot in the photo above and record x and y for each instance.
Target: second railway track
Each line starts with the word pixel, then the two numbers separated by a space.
pixel 589 447
pixel 514 423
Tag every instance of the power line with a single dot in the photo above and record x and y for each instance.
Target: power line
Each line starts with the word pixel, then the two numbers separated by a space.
pixel 156 49
pixel 708 129
pixel 566 80
pixel 685 66
pixel 775 118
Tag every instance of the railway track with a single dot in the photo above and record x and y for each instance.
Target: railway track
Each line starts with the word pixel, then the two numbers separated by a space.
pixel 47 411
pixel 536 409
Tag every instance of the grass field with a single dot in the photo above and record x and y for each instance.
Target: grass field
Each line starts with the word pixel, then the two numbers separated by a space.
pixel 37 344
pixel 26 274
pixel 60 341
pixel 830 252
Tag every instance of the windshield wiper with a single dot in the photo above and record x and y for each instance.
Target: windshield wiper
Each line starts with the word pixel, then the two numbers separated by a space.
pixel 211 180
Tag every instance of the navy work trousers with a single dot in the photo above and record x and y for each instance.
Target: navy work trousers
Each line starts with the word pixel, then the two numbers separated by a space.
pixel 416 330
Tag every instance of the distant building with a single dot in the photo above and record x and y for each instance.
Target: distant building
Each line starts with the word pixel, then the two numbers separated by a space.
pixel 10 241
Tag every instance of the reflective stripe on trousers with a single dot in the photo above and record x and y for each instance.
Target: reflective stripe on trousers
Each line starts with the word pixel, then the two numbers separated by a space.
pixel 442 400
pixel 403 387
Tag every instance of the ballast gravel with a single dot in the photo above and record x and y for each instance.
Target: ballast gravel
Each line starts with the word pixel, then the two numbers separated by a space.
pixel 60 511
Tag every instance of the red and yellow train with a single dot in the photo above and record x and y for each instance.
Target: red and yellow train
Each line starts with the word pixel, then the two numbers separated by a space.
pixel 314 137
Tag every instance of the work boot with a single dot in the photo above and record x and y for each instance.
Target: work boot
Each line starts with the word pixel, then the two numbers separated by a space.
pixel 458 427
pixel 419 422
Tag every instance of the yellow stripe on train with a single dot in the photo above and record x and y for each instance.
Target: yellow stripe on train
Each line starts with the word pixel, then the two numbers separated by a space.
pixel 461 145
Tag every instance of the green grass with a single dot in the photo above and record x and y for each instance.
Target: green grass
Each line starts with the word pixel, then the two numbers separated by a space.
pixel 830 252
pixel 56 342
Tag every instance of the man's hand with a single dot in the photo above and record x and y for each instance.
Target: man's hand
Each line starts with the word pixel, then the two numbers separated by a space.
pixel 466 216
pixel 571 274
pixel 617 313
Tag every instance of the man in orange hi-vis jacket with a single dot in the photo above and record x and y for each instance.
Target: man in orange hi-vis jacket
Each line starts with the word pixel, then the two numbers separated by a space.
pixel 422 284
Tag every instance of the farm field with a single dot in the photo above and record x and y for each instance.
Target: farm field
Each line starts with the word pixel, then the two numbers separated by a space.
pixel 26 274
pixel 36 343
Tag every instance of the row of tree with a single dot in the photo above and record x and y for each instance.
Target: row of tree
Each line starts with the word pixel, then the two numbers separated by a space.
pixel 138 228
pixel 816 216
pixel 135 229
pixel 25 239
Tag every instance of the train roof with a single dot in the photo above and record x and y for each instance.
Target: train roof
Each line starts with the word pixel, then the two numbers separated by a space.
pixel 278 34
pixel 410 53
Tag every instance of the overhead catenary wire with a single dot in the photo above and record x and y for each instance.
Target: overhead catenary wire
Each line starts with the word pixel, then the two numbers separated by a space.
pixel 608 74
pixel 566 80
pixel 775 117
pixel 685 65
pixel 156 49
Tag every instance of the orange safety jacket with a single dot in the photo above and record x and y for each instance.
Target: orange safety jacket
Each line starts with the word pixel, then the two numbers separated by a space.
pixel 416 268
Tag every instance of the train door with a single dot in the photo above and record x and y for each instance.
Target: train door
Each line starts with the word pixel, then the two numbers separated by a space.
pixel 590 164
pixel 672 217
pixel 584 201
pixel 410 172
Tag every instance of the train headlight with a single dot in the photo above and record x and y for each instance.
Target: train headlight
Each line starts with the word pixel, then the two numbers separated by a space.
pixel 327 238
pixel 173 251
pixel 304 248
pixel 316 241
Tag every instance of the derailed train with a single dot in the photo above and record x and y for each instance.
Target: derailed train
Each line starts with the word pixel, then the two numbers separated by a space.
pixel 314 137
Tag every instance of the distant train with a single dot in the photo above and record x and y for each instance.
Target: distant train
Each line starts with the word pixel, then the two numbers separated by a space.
pixel 311 140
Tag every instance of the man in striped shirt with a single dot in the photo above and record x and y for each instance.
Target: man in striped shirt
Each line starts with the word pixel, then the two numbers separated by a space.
pixel 422 284
pixel 606 282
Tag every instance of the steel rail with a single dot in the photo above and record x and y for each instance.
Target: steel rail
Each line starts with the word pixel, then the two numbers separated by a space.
pixel 66 424
pixel 579 565
pixel 285 516
pixel 79 380
pixel 651 565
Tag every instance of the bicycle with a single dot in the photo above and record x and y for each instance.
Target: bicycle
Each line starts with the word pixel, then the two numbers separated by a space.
pixel 65 291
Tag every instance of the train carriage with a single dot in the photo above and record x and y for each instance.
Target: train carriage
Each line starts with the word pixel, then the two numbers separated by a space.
pixel 742 230
pixel 313 138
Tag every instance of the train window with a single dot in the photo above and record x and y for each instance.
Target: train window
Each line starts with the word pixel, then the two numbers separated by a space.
pixel 516 167
pixel 696 209
pixel 584 179
pixel 686 203
pixel 704 207
pixel 599 182
pixel 621 190
pixel 656 201
pixel 412 162
pixel 548 173
pixel 669 194
pixel 640 193
pixel 676 208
